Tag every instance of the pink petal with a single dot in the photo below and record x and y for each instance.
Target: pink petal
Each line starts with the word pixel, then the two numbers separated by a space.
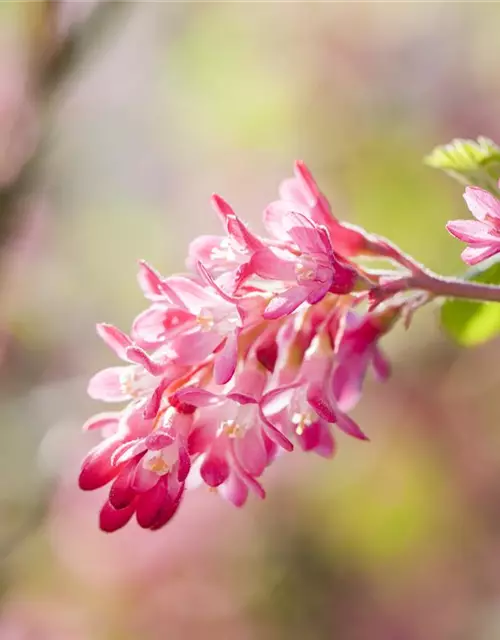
pixel 347 425
pixel 381 365
pixel 144 479
pixel 235 228
pixel 279 398
pixel 159 322
pixel 469 230
pixel 347 382
pixel 249 385
pixel 305 234
pixel 274 433
pixel 105 420
pixel 184 464
pixel 207 277
pixel 247 477
pixel 111 519
pixel 150 281
pixel 121 493
pixel 193 296
pixel 268 265
pixel 317 437
pixel 226 359
pixel 152 406
pixel 201 438
pixel 474 255
pixel 316 397
pixel 107 385
pixel 139 356
pixel 251 451
pixel 114 338
pixel 127 451
pixel 291 189
pixel 275 214
pixel 231 281
pixel 168 509
pixel 318 293
pixel 158 440
pixel 285 303
pixel 196 396
pixel 97 469
pixel 222 207
pixel 234 490
pixel 149 504
pixel 214 469
pixel 482 204
pixel 201 249
pixel 192 348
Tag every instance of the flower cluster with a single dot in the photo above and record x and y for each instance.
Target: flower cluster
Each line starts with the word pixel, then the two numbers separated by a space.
pixel 261 348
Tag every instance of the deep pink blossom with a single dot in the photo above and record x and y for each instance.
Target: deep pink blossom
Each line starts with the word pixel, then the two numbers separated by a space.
pixel 357 349
pixel 256 350
pixel 482 234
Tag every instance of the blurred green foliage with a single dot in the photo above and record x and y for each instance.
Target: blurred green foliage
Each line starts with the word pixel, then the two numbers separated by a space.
pixel 472 323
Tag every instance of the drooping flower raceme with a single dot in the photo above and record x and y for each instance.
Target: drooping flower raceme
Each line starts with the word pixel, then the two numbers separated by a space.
pixel 257 350
pixel 482 234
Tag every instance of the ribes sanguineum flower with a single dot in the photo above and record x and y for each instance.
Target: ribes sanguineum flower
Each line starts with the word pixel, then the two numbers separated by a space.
pixel 482 234
pixel 255 352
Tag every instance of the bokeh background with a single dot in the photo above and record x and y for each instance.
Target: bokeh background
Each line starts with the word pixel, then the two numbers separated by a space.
pixel 117 122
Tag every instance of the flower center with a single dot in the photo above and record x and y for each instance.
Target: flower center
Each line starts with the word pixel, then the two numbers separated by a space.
pixel 305 270
pixel 231 429
pixel 135 382
pixel 302 421
pixel 161 462
pixel 205 320
pixel 158 465
pixel 224 252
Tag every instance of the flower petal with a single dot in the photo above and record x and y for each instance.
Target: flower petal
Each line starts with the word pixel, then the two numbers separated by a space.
pixel 474 255
pixel 107 385
pixel 111 519
pixel 469 230
pixel 285 303
pixel 482 204
pixel 234 490
pixel 97 468
pixel 226 359
pixel 214 469
pixel 114 338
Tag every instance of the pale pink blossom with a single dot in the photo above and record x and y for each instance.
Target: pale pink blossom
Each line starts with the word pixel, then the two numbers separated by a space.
pixel 482 234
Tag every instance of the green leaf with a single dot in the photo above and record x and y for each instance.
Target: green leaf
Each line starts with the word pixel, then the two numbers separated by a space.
pixel 472 323
pixel 470 162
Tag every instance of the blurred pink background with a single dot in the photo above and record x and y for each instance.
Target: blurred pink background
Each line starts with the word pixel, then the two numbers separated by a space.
pixel 117 122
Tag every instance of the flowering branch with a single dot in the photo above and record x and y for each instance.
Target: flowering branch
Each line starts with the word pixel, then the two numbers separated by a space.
pixel 261 349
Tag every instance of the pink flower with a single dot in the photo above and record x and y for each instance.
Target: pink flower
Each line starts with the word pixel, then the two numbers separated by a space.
pixel 226 257
pixel 306 406
pixel 305 262
pixel 230 365
pixel 303 190
pixel 147 463
pixel 195 321
pixel 358 348
pixel 482 234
